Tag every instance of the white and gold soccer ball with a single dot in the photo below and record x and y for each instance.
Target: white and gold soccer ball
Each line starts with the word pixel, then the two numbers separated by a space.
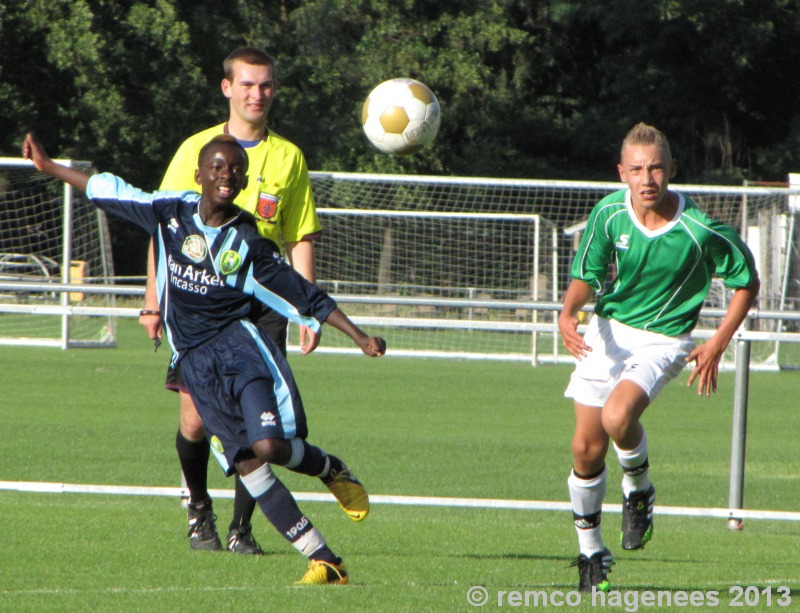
pixel 401 116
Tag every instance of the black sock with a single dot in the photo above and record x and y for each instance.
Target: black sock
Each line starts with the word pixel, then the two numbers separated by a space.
pixel 280 508
pixel 312 463
pixel 336 467
pixel 243 505
pixel 325 554
pixel 194 463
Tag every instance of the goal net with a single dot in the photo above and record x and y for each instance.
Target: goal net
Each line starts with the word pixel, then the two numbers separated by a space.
pixel 455 267
pixel 444 281
pixel 475 267
pixel 50 235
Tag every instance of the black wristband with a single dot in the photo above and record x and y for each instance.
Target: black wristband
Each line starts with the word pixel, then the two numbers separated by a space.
pixel 149 312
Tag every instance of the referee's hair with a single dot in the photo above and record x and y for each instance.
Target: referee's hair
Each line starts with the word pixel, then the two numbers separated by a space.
pixel 222 139
pixel 247 55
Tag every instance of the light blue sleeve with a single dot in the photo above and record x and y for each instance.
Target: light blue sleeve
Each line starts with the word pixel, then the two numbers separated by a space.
pixel 116 197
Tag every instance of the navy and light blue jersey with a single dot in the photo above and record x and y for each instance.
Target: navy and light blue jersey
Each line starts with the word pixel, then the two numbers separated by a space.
pixel 207 277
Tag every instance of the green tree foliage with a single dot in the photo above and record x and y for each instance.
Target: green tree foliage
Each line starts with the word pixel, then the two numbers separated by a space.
pixel 473 58
pixel 714 75
pixel 111 82
pixel 528 88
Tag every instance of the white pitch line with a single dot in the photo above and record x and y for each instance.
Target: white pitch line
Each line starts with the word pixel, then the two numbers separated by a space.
pixel 425 501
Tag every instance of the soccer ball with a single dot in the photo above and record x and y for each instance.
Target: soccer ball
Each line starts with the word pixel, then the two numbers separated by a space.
pixel 401 116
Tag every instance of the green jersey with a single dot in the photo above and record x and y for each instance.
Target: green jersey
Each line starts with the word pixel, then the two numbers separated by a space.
pixel 661 276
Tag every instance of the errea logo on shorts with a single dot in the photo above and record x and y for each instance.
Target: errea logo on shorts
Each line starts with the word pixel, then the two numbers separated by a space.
pixel 622 242
pixel 267 419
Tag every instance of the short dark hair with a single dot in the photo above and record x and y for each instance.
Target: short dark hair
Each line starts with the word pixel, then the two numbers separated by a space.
pixel 221 139
pixel 248 55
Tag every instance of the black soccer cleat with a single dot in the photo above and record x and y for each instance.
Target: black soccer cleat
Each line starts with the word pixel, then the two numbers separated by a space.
pixel 241 540
pixel 594 571
pixel 203 527
pixel 637 519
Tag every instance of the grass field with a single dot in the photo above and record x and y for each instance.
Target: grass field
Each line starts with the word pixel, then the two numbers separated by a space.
pixel 407 427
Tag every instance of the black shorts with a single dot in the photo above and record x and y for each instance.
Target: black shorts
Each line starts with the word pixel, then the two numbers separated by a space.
pixel 271 322
pixel 244 391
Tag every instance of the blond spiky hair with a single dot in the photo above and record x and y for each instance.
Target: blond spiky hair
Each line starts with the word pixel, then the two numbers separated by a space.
pixel 644 134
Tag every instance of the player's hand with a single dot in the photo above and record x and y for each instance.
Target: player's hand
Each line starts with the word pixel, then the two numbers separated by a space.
pixel 374 346
pixel 706 358
pixel 304 332
pixel 572 341
pixel 310 340
pixel 33 151
pixel 151 322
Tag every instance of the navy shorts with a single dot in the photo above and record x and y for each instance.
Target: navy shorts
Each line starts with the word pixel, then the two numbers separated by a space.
pixel 272 322
pixel 244 391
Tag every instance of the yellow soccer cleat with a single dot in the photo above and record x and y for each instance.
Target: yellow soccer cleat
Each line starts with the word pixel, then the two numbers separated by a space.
pixel 324 573
pixel 348 491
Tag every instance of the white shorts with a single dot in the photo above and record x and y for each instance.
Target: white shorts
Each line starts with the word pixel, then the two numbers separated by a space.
pixel 619 353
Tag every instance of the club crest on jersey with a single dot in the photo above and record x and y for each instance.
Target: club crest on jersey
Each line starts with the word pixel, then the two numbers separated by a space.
pixel 267 205
pixel 195 248
pixel 229 262
pixel 216 445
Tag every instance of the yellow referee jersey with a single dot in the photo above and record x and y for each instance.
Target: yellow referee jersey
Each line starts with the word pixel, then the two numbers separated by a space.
pixel 278 191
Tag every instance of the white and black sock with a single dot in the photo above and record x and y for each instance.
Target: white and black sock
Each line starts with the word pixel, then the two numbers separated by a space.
pixel 586 494
pixel 636 477
pixel 280 508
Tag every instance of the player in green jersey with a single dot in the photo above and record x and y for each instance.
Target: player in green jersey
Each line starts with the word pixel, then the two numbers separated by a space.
pixel 664 251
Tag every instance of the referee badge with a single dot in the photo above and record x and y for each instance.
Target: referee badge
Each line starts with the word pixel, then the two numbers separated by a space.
pixel 267 206
pixel 229 262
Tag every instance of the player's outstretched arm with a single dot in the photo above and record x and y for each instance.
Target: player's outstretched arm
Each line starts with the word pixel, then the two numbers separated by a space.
pixel 578 294
pixel 372 346
pixel 33 151
pixel 301 255
pixel 708 355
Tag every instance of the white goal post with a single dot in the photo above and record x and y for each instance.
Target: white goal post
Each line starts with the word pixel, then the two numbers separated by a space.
pixel 474 272
pixel 457 265
pixel 50 234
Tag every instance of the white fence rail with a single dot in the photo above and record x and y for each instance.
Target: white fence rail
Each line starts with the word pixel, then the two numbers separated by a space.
pixel 742 340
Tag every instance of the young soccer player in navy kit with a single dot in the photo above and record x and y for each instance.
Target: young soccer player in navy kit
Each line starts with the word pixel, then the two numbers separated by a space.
pixel 279 196
pixel 665 251
pixel 211 262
